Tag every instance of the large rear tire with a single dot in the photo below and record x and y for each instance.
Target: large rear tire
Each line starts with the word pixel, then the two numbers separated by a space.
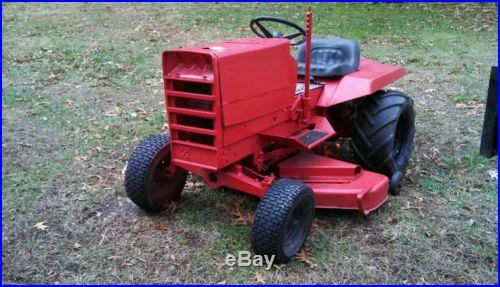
pixel 383 133
pixel 150 182
pixel 283 219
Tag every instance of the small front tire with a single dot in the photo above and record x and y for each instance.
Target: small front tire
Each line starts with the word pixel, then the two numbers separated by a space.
pixel 283 219
pixel 150 180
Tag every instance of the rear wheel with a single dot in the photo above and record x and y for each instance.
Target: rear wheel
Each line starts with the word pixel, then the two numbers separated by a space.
pixel 383 133
pixel 151 181
pixel 283 219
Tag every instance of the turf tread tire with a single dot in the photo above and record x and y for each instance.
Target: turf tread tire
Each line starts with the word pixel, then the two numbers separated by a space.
pixel 271 215
pixel 138 173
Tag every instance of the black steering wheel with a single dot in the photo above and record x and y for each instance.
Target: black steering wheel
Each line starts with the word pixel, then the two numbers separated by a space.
pixel 261 31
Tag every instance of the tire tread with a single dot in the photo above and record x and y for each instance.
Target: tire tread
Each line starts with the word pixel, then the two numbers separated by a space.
pixel 374 131
pixel 271 215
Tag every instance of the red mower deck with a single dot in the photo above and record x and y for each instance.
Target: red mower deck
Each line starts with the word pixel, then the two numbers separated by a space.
pixel 337 184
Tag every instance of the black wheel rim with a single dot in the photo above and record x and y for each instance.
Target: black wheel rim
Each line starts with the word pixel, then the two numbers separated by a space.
pixel 162 184
pixel 297 226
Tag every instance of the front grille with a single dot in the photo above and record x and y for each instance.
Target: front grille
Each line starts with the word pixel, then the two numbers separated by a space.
pixel 191 111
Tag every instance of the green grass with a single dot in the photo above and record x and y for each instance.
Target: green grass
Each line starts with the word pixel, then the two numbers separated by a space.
pixel 465 179
pixel 82 85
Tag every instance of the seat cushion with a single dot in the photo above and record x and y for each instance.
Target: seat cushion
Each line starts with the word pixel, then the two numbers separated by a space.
pixel 330 57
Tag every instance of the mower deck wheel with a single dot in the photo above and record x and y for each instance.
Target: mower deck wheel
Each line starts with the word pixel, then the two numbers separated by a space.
pixel 283 219
pixel 150 180
pixel 396 183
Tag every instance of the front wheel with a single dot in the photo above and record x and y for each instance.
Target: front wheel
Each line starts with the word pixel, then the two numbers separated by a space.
pixel 383 133
pixel 283 219
pixel 151 181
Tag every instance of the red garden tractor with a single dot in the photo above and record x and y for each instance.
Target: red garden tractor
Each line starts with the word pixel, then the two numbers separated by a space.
pixel 246 115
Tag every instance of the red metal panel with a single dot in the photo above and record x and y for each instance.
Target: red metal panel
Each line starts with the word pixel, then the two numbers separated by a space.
pixel 337 184
pixel 252 127
pixel 308 165
pixel 371 77
pixel 195 155
pixel 236 179
pixel 238 151
pixel 258 80
pixel 195 130
pixel 366 193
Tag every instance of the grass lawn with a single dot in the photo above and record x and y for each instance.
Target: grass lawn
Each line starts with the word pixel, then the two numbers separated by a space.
pixel 81 85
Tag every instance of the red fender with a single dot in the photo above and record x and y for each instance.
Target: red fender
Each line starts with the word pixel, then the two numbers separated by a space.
pixel 371 77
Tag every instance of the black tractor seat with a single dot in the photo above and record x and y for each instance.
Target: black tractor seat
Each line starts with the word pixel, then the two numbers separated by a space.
pixel 334 57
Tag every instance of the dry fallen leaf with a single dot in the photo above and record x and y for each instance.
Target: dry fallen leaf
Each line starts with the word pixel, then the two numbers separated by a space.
pixel 409 206
pixel 124 170
pixel 248 239
pixel 321 221
pixel 433 154
pixel 471 207
pixel 258 278
pixel 142 111
pixel 419 199
pixel 242 218
pixel 41 225
pixel 227 208
pixel 306 257
pixel 172 205
pixel 53 78
pixel 162 227
pixel 418 208
pixel 98 183
pixel 238 202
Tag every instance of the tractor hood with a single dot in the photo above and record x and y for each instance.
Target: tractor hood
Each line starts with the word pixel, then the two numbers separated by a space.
pixel 236 47
pixel 252 76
